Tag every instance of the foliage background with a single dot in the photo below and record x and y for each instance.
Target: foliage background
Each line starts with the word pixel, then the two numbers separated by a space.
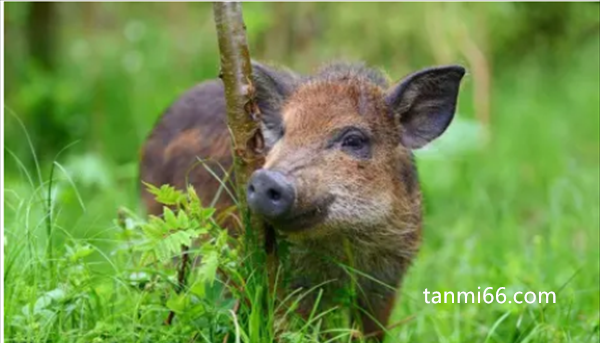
pixel 511 192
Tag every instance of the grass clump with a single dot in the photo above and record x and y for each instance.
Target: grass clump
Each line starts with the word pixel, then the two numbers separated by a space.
pixel 174 278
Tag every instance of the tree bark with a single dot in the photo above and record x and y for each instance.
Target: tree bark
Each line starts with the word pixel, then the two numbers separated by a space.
pixel 41 33
pixel 42 37
pixel 243 115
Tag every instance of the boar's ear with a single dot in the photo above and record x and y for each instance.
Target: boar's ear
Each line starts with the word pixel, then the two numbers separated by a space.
pixel 273 86
pixel 424 103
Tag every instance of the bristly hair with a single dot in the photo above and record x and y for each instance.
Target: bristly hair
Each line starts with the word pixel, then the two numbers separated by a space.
pixel 343 71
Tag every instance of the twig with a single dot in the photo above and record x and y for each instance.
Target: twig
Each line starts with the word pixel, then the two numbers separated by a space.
pixel 181 278
pixel 243 116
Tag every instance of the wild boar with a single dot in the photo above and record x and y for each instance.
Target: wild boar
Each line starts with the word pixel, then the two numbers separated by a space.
pixel 339 181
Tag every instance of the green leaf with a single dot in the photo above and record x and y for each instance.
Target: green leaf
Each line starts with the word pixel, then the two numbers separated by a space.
pixel 80 252
pixel 148 257
pixel 193 197
pixel 170 246
pixel 153 230
pixel 199 289
pixel 152 189
pixel 183 221
pixel 178 302
pixel 222 240
pixel 41 303
pixel 206 213
pixel 166 194
pixel 208 269
pixel 170 218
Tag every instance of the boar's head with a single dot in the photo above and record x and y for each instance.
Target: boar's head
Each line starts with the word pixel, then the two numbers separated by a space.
pixel 339 146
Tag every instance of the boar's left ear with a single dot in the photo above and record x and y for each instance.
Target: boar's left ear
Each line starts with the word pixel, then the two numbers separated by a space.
pixel 273 86
pixel 425 102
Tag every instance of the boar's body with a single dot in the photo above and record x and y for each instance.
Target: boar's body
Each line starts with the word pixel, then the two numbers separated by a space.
pixel 190 139
pixel 339 180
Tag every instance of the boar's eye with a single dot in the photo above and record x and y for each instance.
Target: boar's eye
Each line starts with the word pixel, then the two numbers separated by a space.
pixel 357 144
pixel 353 142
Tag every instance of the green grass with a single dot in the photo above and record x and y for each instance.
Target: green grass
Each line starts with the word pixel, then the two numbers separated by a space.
pixel 519 210
pixel 521 213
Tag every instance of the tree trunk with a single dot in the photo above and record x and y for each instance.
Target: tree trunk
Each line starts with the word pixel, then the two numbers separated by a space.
pixel 41 33
pixel 243 116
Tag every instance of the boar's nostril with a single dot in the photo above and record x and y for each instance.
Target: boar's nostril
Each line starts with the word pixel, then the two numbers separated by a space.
pixel 273 194
pixel 270 194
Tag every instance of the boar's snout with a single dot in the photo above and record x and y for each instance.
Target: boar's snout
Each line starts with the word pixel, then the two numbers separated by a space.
pixel 270 194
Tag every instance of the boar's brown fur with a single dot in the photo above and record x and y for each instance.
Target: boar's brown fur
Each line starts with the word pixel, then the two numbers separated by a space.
pixel 368 202
pixel 192 129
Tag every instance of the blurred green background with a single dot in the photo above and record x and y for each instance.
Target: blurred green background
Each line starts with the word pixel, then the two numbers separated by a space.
pixel 511 191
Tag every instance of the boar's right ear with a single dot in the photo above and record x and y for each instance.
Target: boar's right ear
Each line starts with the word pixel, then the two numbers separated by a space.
pixel 273 86
pixel 425 102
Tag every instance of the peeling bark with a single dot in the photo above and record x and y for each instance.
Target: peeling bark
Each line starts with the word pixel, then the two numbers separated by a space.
pixel 243 114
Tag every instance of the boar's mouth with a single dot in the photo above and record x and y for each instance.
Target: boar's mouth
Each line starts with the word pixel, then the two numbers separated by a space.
pixel 304 219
